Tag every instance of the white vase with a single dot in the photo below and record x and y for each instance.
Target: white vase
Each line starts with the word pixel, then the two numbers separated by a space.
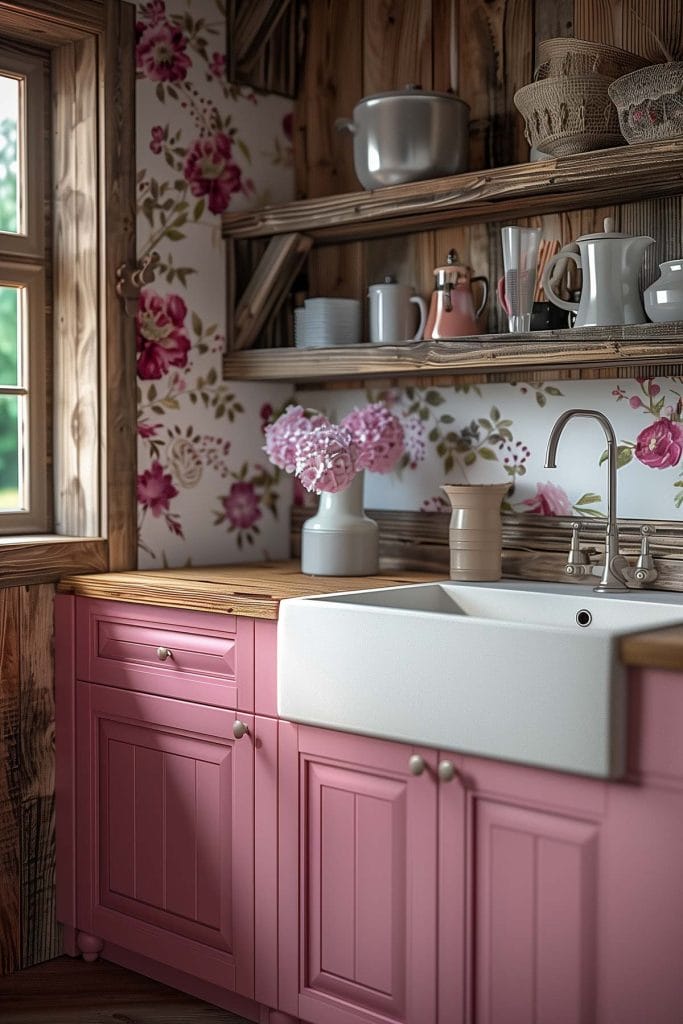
pixel 340 540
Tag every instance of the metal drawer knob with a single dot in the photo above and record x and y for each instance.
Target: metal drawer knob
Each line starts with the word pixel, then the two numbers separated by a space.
pixel 416 764
pixel 164 653
pixel 446 771
pixel 239 729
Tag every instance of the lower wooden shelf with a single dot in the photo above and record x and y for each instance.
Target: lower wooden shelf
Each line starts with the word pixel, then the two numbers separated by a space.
pixel 640 350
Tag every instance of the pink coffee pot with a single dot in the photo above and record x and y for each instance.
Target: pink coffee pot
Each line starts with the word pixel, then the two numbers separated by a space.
pixel 452 313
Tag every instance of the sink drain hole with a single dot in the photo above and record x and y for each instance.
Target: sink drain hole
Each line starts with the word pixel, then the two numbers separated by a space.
pixel 584 617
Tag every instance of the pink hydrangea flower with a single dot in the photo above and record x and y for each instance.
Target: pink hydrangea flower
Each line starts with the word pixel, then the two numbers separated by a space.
pixel 282 437
pixel 549 500
pixel 242 506
pixel 325 459
pixel 377 435
pixel 160 52
pixel 161 338
pixel 155 489
pixel 660 445
pixel 210 170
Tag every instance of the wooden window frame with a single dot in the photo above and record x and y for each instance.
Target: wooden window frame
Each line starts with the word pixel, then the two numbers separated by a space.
pixel 92 45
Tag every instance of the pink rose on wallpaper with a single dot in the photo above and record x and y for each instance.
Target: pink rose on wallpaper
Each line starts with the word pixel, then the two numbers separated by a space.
pixel 210 170
pixel 161 339
pixel 153 11
pixel 158 135
pixel 217 65
pixel 146 429
pixel 160 52
pixel 155 489
pixel 242 506
pixel 660 445
pixel 549 500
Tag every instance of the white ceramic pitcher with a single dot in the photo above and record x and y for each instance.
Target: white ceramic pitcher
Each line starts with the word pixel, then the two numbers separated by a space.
pixel 610 262
pixel 392 312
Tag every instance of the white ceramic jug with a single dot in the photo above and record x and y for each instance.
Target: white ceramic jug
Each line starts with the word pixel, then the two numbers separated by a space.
pixel 610 262
pixel 664 298
pixel 392 316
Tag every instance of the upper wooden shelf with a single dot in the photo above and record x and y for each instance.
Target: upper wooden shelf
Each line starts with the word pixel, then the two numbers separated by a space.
pixel 639 350
pixel 589 179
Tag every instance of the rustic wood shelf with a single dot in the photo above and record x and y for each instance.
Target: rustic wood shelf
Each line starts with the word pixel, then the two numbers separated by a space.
pixel 600 352
pixel 586 180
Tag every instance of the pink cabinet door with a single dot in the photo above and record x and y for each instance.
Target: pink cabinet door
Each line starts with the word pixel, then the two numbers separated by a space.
pixel 165 859
pixel 527 928
pixel 366 852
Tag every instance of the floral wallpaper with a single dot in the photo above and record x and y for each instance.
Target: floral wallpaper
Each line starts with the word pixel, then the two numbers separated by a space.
pixel 206 490
pixel 499 432
pixel 206 493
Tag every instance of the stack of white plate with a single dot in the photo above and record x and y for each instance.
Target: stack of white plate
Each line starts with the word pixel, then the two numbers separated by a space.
pixel 322 323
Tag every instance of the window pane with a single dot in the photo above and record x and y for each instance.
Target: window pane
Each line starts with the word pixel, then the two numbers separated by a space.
pixel 10 334
pixel 9 171
pixel 10 453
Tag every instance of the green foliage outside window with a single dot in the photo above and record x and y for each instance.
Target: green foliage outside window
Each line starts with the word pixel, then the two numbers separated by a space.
pixel 9 462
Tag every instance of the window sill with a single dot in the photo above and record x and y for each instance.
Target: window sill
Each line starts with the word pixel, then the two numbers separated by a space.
pixel 44 558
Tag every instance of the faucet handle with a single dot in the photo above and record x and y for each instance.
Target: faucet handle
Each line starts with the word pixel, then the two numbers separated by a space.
pixel 644 571
pixel 577 562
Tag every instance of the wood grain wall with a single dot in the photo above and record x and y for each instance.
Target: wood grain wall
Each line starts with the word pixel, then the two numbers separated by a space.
pixel 359 47
pixel 28 928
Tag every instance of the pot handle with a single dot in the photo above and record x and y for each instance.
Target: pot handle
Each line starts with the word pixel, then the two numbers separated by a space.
pixel 345 124
pixel 563 254
pixel 422 306
pixel 502 297
pixel 485 288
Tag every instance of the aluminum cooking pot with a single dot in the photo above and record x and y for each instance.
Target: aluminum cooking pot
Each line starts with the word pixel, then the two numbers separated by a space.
pixel 407 135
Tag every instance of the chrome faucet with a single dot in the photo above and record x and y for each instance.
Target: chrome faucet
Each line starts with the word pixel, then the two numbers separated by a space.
pixel 617 575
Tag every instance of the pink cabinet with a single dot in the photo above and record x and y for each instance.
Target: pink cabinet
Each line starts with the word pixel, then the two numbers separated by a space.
pixel 364 853
pixel 165 833
pixel 463 894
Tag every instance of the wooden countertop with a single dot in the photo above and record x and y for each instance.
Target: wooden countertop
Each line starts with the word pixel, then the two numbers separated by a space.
pixel 658 648
pixel 255 589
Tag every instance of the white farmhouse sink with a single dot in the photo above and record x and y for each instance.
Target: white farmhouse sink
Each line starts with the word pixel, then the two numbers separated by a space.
pixel 500 670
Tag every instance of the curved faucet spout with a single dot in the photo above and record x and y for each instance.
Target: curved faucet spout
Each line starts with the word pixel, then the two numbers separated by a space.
pixel 612 577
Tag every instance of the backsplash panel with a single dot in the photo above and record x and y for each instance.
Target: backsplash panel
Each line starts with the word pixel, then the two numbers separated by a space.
pixel 497 432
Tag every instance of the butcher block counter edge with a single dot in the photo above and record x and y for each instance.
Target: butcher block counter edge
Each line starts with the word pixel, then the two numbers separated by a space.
pixel 256 589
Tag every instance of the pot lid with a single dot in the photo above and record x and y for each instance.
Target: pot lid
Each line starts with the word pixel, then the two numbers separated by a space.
pixel 609 232
pixel 412 91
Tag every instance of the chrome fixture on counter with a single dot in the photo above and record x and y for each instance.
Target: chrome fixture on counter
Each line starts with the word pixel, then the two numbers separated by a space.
pixel 616 574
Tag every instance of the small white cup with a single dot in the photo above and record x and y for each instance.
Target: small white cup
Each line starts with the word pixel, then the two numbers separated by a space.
pixel 392 317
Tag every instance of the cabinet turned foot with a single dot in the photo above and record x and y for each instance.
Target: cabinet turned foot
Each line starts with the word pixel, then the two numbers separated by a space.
pixel 89 945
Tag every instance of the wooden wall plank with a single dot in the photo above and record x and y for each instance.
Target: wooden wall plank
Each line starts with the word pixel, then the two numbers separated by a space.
pixel 10 790
pixel 397 46
pixel 39 933
pixel 332 85
pixel 76 370
pixel 117 200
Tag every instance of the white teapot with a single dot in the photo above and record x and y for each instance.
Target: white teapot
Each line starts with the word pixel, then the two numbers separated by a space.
pixel 610 262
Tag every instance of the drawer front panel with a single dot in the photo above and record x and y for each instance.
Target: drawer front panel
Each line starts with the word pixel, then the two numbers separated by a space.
pixel 190 655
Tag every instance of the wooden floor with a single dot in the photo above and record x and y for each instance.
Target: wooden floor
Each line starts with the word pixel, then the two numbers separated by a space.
pixel 66 991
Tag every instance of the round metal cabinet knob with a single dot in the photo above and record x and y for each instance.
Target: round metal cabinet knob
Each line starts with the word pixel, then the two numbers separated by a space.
pixel 416 764
pixel 446 771
pixel 239 729
pixel 164 653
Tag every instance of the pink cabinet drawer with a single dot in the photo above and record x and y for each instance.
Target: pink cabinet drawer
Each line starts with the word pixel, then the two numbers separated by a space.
pixel 206 658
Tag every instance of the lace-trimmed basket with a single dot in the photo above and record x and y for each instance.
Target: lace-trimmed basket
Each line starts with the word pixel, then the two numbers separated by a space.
pixel 569 114
pixel 567 56
pixel 650 102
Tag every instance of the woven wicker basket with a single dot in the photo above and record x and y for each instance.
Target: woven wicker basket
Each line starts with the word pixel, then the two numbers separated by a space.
pixel 566 56
pixel 649 102
pixel 570 114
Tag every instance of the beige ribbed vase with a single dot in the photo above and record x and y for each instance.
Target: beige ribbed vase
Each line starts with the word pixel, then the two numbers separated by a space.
pixel 475 535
